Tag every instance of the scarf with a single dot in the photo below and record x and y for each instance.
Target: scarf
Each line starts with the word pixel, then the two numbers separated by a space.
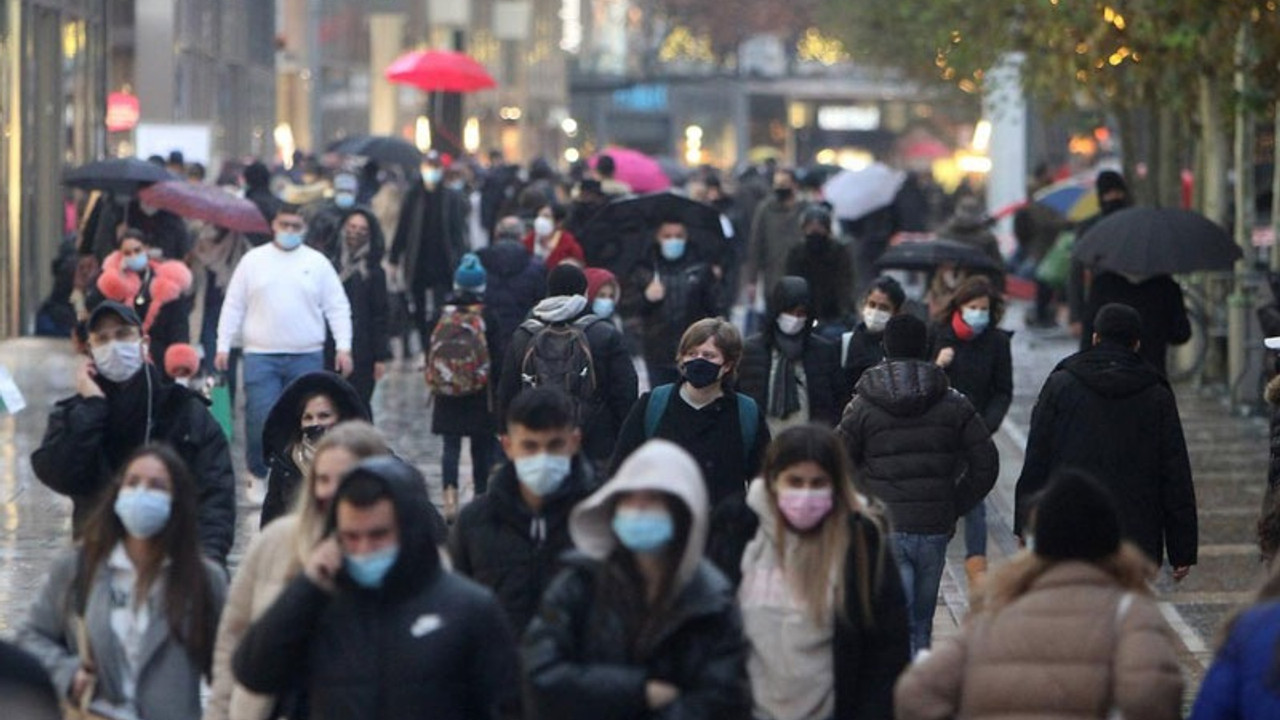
pixel 784 387
pixel 561 308
pixel 961 328
pixel 352 262
pixel 219 250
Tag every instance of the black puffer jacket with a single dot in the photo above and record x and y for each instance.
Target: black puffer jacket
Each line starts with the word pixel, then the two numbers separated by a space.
pixel 428 643
pixel 982 370
pixel 516 282
pixel 918 446
pixel 689 295
pixel 282 428
pixel 88 439
pixel 499 542
pixel 1108 412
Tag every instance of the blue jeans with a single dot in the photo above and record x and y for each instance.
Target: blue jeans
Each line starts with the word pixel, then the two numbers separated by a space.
pixel 975 531
pixel 265 377
pixel 921 559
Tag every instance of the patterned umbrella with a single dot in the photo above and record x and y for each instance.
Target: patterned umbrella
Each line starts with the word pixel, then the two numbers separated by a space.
pixel 207 203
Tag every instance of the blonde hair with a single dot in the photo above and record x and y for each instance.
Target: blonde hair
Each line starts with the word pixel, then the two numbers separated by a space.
pixel 356 437
pixel 1128 566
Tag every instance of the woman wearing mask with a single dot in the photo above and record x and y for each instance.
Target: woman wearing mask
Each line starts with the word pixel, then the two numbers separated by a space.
pixel 787 369
pixel 863 347
pixel 968 344
pixel 126 621
pixel 1066 629
pixel 639 625
pixel 306 409
pixel 602 292
pixel 725 431
pixel 360 269
pixel 826 265
pixel 274 558
pixel 549 240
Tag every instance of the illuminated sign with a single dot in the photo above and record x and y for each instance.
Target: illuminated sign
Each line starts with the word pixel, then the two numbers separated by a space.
pixel 849 117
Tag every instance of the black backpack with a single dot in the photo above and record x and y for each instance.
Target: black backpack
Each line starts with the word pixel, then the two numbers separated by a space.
pixel 559 356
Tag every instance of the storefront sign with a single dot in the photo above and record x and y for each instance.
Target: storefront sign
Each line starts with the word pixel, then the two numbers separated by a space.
pixel 642 98
pixel 122 112
pixel 849 117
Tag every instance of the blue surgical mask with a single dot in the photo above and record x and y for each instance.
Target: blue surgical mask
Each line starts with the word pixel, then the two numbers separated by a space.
pixel 543 473
pixel 603 307
pixel 143 511
pixel 976 319
pixel 432 175
pixel 345 201
pixel 136 262
pixel 370 569
pixel 289 240
pixel 643 531
pixel 673 248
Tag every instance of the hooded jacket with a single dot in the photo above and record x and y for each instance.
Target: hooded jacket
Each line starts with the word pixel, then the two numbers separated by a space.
pixel 370 309
pixel 517 281
pixel 918 446
pixel 281 431
pixel 500 543
pixel 1108 412
pixel 697 643
pixel 427 643
pixel 158 298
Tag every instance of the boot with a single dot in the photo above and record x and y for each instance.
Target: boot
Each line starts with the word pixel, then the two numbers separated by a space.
pixel 450 504
pixel 975 568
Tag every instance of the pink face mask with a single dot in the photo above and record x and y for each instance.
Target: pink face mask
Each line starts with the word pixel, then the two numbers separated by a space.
pixel 804 509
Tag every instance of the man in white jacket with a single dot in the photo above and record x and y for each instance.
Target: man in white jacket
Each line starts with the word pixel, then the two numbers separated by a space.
pixel 281 296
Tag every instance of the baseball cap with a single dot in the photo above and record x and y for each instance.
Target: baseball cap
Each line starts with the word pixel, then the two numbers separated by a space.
pixel 111 307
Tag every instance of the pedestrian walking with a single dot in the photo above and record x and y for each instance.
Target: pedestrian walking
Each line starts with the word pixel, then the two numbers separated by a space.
pixel 280 298
pixel 375 626
pixel 1066 629
pixel 304 412
pixel 826 266
pixel 1240 683
pixel 1108 412
pixel 566 346
pixel 787 368
pixel 863 347
pixel 365 282
pixel 257 189
pixel 125 622
pixel 516 279
pixel 603 292
pixel 971 226
pixel 463 371
pixel 274 558
pixel 725 431
pixel 968 344
pixel 326 217
pixel 166 232
pixel 511 539
pixel 549 241
pixel 213 259
pixel 122 403
pixel 775 229
pixel 1113 196
pixel 919 446
pixel 1159 302
pixel 154 288
pixel 639 625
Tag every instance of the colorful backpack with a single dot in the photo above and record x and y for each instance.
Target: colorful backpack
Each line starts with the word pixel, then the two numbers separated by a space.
pixel 458 361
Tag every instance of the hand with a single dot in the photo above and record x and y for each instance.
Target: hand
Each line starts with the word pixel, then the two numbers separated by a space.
pixel 82 683
pixel 221 361
pixel 945 357
pixel 655 292
pixel 659 694
pixel 379 371
pixel 325 562
pixel 343 363
pixel 1180 572
pixel 86 385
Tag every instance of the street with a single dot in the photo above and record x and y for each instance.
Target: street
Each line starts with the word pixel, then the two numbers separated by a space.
pixel 1228 453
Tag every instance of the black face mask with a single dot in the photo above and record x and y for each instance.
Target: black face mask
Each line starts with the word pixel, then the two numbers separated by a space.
pixel 783 194
pixel 701 372
pixel 816 242
pixel 1109 206
pixel 312 433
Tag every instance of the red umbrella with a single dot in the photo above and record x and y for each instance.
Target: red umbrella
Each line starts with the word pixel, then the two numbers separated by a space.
pixel 439 71
pixel 641 172
pixel 208 203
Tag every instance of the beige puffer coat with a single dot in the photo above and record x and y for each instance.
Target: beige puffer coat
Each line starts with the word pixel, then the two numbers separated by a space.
pixel 1063 650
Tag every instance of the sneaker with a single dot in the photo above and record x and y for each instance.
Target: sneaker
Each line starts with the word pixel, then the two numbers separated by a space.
pixel 255 490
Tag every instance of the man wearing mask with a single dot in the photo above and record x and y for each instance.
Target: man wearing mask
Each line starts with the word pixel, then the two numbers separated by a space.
pixel 375 626
pixel 775 229
pixel 826 265
pixel 511 538
pixel 324 217
pixel 430 239
pixel 280 298
pixel 121 403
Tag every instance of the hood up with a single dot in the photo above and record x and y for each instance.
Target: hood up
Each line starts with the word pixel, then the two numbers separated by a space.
pixel 505 258
pixel 657 465
pixel 377 240
pixel 904 388
pixel 285 417
pixel 1112 371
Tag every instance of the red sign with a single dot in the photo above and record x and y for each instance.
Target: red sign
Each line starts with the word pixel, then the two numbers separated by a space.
pixel 122 112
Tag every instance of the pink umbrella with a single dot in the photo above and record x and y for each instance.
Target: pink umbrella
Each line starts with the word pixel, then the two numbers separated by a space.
pixel 439 71
pixel 206 202
pixel 636 169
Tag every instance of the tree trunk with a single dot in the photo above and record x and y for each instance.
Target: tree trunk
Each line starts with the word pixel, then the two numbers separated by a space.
pixel 1167 168
pixel 1211 180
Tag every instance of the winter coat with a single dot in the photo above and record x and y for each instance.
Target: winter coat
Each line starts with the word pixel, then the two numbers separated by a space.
pixel 1158 300
pixel 370 310
pixel 324 227
pixel 616 386
pixel 472 414
pixel 863 351
pixel 918 446
pixel 690 295
pixel 975 233
pixel 88 439
pixel 823 381
pixel 1240 682
pixel 1062 650
pixel 499 542
pixel 566 248
pixel 829 269
pixel 775 229
pixel 982 370
pixel 1108 412
pixel 164 230
pixel 157 297
pixel 414 251
pixel 428 643
pixel 168 679
pixel 579 659
pixel 281 431
pixel 516 282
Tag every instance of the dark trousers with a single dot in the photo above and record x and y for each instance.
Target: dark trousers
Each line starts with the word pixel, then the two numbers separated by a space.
pixel 481 461
pixel 427 298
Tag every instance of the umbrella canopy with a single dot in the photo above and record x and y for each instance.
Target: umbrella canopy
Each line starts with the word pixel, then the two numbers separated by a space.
pixel 440 71
pixel 854 194
pixel 1072 199
pixel 926 148
pixel 620 235
pixel 929 254
pixel 383 149
pixel 1156 241
pixel 636 169
pixel 208 203
pixel 119 175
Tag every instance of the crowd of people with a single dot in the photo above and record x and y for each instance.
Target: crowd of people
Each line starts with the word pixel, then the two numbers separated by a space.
pixel 669 517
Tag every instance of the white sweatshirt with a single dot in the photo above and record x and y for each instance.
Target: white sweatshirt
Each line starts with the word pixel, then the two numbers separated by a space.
pixel 282 299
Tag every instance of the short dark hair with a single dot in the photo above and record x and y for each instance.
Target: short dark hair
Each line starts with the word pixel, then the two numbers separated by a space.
pixel 906 338
pixel 558 212
pixel 890 287
pixel 606 166
pixel 288 208
pixel 542 409
pixel 1118 323
pixel 363 490
pixel 135 234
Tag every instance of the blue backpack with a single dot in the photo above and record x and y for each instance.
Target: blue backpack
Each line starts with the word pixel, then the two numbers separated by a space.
pixel 748 416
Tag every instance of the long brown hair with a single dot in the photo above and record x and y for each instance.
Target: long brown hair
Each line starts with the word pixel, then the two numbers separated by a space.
pixel 188 597
pixel 822 554
pixel 971 289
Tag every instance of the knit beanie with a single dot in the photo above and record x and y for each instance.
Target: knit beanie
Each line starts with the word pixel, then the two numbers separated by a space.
pixel 906 338
pixel 1076 519
pixel 596 279
pixel 1109 180
pixel 566 279
pixel 470 274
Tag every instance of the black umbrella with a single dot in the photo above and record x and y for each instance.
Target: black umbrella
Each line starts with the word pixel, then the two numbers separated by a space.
pixel 619 235
pixel 383 149
pixel 1156 241
pixel 929 254
pixel 119 175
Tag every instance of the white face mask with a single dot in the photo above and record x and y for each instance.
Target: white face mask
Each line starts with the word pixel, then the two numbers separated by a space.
pixel 875 319
pixel 543 226
pixel 790 324
pixel 118 360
